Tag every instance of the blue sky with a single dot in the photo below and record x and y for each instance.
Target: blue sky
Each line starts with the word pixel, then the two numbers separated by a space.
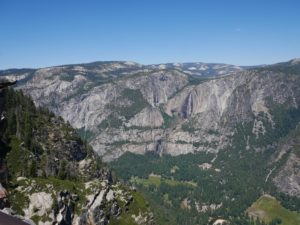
pixel 39 33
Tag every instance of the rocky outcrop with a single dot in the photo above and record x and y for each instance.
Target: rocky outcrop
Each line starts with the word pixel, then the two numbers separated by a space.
pixel 288 179
pixel 40 204
pixel 149 117
pixel 97 202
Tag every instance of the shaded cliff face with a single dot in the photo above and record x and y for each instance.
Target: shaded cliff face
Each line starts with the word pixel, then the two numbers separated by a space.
pixel 122 106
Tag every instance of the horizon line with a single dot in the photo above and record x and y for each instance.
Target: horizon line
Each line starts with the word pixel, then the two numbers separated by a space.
pixel 143 64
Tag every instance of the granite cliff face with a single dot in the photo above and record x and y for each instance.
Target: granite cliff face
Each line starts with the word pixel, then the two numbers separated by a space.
pixel 287 175
pixel 119 106
pixel 168 108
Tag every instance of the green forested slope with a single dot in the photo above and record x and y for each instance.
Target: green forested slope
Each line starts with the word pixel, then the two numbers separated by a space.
pixel 44 159
pixel 235 178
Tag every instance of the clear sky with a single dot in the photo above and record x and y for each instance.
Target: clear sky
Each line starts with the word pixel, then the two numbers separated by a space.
pixel 39 33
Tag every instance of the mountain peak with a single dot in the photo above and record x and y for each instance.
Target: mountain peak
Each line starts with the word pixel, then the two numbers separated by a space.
pixel 295 61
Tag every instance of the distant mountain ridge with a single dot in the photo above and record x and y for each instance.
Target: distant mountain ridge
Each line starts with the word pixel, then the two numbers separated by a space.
pixel 126 67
